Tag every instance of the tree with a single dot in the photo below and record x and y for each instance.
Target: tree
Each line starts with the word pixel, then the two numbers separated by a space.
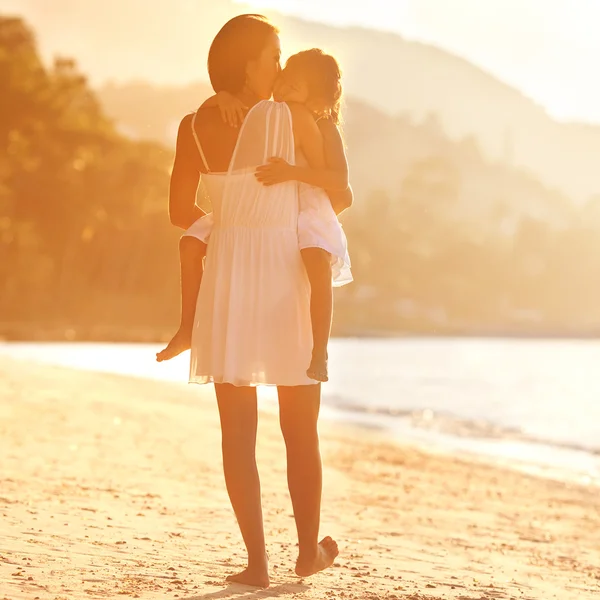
pixel 75 197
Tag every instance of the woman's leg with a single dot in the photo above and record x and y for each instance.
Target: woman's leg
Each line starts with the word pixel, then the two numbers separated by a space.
pixel 191 254
pixel 318 267
pixel 239 420
pixel 298 415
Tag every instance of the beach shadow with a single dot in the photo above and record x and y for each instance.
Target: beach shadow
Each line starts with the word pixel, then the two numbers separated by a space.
pixel 236 590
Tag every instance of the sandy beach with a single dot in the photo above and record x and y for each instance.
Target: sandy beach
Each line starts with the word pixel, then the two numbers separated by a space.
pixel 112 487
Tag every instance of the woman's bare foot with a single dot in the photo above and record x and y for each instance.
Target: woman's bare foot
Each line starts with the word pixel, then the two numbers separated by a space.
pixel 318 368
pixel 327 551
pixel 181 342
pixel 256 576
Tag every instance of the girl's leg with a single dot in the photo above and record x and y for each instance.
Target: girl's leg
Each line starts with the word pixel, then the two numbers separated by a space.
pixel 298 415
pixel 191 254
pixel 239 419
pixel 318 267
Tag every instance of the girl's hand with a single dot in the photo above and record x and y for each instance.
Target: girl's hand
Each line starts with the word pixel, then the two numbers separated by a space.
pixel 277 171
pixel 232 109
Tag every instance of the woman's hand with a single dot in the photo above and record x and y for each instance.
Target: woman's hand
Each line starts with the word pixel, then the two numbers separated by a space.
pixel 276 171
pixel 232 109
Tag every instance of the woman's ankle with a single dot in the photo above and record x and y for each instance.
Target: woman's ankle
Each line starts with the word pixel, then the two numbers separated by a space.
pixel 258 560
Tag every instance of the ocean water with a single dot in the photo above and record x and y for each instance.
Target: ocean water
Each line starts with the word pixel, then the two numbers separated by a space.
pixel 533 404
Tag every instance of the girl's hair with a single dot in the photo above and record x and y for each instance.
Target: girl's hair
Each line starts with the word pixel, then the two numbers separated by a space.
pixel 239 41
pixel 323 76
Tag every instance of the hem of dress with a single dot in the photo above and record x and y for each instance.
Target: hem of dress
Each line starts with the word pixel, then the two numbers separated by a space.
pixel 320 247
pixel 336 281
pixel 206 379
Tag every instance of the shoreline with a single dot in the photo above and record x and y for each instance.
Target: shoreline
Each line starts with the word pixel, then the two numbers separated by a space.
pixel 112 486
pixel 546 458
pixel 69 332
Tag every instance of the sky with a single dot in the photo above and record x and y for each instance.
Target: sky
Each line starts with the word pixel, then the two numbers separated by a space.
pixel 549 49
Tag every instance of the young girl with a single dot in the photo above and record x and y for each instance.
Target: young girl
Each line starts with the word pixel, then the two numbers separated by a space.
pixel 311 78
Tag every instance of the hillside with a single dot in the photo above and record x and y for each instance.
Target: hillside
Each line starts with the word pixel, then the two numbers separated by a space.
pixel 381 149
pixel 442 240
pixel 383 69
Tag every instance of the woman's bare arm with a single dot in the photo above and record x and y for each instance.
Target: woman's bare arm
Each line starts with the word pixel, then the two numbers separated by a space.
pixel 185 177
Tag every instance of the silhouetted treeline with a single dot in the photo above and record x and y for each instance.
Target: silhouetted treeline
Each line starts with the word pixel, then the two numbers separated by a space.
pixel 86 249
pixel 420 268
pixel 84 236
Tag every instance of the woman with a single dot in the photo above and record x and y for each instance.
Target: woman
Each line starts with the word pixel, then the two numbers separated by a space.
pixel 252 320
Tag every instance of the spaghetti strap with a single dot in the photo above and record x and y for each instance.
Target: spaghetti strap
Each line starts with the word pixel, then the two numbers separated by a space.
pixel 198 143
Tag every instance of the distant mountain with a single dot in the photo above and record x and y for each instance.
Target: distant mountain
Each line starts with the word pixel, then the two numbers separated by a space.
pixel 404 77
pixel 442 239
pixel 167 42
pixel 146 111
pixel 382 151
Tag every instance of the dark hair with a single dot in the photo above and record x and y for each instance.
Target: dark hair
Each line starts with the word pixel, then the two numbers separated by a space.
pixel 323 77
pixel 239 41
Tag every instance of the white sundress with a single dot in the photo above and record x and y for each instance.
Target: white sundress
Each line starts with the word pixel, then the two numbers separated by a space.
pixel 252 324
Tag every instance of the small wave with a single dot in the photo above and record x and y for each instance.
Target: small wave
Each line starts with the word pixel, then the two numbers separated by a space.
pixel 449 424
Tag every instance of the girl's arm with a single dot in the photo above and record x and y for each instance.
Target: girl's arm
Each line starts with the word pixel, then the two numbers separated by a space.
pixel 278 170
pixel 232 109
pixel 333 177
pixel 185 177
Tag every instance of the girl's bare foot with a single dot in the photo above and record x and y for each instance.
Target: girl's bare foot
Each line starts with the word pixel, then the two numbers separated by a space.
pixel 318 368
pixel 327 551
pixel 181 342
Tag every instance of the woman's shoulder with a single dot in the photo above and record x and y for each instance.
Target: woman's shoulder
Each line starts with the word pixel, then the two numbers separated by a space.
pixel 204 113
pixel 187 120
pixel 185 138
pixel 191 126
pixel 186 125
pixel 198 120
